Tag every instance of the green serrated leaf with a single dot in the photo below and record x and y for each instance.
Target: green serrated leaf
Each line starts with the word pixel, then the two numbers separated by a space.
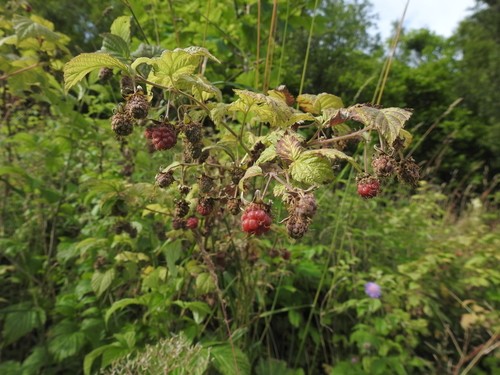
pixel 253 171
pixel 67 340
pixel 326 101
pixel 364 114
pixel 171 66
pixel 333 154
pixel 230 361
pixel 289 147
pixel 92 356
pixel 19 320
pixel 118 305
pixel 101 281
pixel 204 283
pixel 306 103
pixel 115 46
pixel 311 169
pixel 390 121
pixel 121 28
pixel 79 66
pixel 265 108
pixel 28 28
pixel 267 155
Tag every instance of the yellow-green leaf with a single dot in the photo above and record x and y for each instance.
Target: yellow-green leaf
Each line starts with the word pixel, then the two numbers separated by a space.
pixel 289 147
pixel 81 65
pixel 121 28
pixel 311 169
pixel 390 121
pixel 253 171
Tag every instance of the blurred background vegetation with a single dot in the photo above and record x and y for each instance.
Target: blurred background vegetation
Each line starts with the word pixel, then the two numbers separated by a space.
pixel 66 186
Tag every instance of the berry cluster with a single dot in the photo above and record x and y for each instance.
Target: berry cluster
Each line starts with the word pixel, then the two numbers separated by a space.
pixel 256 219
pixel 163 136
pixel 301 208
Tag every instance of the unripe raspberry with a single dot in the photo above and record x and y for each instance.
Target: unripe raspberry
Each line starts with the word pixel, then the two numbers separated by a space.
pixel 297 226
pixel 193 132
pixel 181 208
pixel 206 183
pixel 122 124
pixel 164 180
pixel 192 223
pixel 368 187
pixel 163 136
pixel 205 206
pixel 256 219
pixel 137 105
pixel 409 172
pixel 306 206
pixel 384 165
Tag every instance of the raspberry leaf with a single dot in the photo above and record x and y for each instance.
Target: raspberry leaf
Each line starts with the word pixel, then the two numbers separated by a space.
pixel 34 27
pixel 253 171
pixel 289 147
pixel 79 66
pixel 311 169
pixel 115 46
pixel 317 104
pixel 121 27
pixel 390 121
pixel 101 281
pixel 333 154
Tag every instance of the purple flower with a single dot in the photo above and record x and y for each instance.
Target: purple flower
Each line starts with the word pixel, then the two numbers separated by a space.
pixel 373 290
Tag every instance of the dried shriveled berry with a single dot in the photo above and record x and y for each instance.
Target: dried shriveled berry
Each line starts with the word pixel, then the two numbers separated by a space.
pixel 384 165
pixel 306 205
pixel 105 74
pixel 236 174
pixel 233 206
pixel 122 124
pixel 126 85
pixel 181 208
pixel 409 172
pixel 165 179
pixel 206 183
pixel 125 227
pixel 297 226
pixel 193 132
pixel 137 105
pixel 163 136
pixel 192 223
pixel 205 206
pixel 368 187
pixel 256 219
pixel 184 189
pixel 192 151
pixel 178 223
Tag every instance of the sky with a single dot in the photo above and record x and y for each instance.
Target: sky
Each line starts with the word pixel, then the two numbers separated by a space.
pixel 441 16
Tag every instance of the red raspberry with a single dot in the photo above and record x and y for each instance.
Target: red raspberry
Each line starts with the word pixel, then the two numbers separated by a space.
pixel 368 187
pixel 192 223
pixel 163 136
pixel 256 219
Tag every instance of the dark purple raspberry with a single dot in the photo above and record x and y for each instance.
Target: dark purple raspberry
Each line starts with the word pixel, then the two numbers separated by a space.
pixel 163 137
pixel 137 106
pixel 122 124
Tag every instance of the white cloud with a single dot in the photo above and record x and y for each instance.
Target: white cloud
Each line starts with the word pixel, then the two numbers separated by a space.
pixel 441 16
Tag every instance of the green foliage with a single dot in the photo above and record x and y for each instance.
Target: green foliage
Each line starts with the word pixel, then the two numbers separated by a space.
pixel 95 276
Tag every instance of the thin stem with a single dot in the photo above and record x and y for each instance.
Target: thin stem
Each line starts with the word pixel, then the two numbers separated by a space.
pixel 282 56
pixel 206 23
pixel 257 57
pixel 309 40
pixel 19 71
pixel 174 23
pixel 127 4
pixel 270 47
pixel 323 142
pixel 391 55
